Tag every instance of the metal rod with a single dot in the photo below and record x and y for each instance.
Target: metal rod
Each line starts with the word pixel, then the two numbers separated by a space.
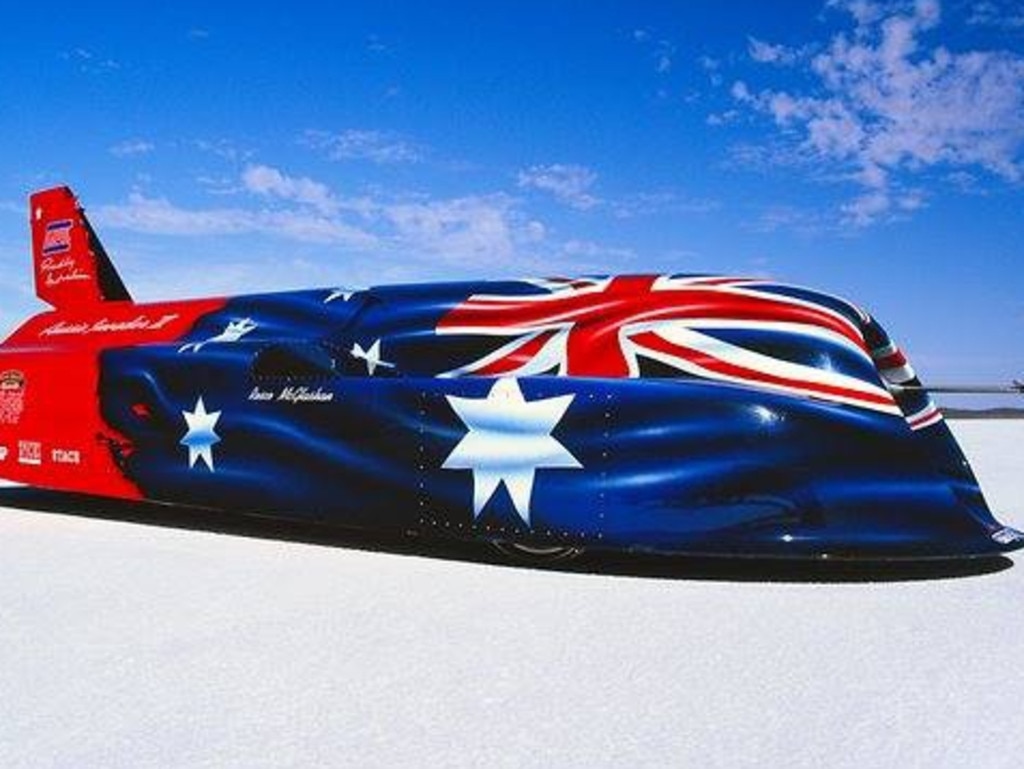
pixel 1015 388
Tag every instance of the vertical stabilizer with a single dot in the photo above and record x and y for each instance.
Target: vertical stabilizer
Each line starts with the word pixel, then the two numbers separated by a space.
pixel 71 266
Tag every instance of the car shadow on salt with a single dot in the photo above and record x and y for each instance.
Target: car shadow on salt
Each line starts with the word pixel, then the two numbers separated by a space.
pixel 637 565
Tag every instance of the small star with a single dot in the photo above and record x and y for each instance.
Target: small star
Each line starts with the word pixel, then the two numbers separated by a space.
pixel 508 440
pixel 343 294
pixel 371 356
pixel 200 437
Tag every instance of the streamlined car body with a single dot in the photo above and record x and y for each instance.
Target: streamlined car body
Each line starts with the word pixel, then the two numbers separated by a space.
pixel 675 414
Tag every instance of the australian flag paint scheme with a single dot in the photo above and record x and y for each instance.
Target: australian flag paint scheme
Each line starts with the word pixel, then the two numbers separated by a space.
pixel 676 414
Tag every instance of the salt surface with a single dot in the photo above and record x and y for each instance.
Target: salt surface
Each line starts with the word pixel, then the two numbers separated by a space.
pixel 129 645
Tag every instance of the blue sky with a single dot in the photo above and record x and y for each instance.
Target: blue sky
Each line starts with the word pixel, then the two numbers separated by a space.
pixel 870 149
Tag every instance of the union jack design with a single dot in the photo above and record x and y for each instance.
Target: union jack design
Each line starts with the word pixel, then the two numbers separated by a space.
pixel 896 369
pixel 602 327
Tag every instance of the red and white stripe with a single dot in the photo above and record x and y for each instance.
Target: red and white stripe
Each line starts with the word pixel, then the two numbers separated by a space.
pixel 926 417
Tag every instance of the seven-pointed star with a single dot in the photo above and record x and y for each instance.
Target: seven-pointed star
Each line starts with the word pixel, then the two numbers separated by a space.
pixel 508 439
pixel 371 356
pixel 200 437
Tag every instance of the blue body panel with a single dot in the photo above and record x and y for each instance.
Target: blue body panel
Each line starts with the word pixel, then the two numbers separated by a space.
pixel 673 465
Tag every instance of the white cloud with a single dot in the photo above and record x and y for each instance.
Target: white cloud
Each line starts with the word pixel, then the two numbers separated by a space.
pixel 589 250
pixel 651 203
pixel 889 107
pixel 374 44
pixel 160 217
pixel 722 118
pixel 662 51
pixel 709 64
pixel 419 235
pixel 781 217
pixel 131 147
pixel 223 149
pixel 865 12
pixel 157 215
pixel 1002 14
pixel 89 62
pixel 469 228
pixel 767 53
pixel 741 92
pixel 570 184
pixel 381 147
pixel 264 180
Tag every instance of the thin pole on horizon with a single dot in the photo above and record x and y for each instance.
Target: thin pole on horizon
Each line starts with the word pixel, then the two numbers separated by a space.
pixel 1016 387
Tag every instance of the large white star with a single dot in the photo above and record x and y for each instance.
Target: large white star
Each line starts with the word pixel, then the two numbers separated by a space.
pixel 200 437
pixel 509 438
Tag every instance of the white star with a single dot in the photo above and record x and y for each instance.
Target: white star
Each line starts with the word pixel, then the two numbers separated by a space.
pixel 234 331
pixel 371 356
pixel 200 437
pixel 508 440
pixel 343 294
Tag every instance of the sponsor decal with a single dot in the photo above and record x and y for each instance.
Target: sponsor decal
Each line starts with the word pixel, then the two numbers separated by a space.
pixel 12 396
pixel 57 238
pixel 30 452
pixel 107 326
pixel 12 381
pixel 66 456
pixel 292 395
pixel 3 453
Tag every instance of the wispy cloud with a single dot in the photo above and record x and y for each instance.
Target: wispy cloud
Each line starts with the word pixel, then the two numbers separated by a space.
pixel 767 53
pixel 590 251
pixel 570 184
pixel 267 181
pixel 791 219
pixel 89 62
pixel 474 230
pixel 470 227
pixel 224 149
pixel 650 203
pixel 661 50
pixel 381 147
pixel 1001 14
pixel 712 67
pixel 374 44
pixel 887 107
pixel 161 217
pixel 130 147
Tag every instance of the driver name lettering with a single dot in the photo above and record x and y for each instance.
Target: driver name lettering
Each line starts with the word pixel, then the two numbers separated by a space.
pixel 292 395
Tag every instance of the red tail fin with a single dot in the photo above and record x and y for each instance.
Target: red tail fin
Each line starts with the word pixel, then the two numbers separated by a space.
pixel 71 266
